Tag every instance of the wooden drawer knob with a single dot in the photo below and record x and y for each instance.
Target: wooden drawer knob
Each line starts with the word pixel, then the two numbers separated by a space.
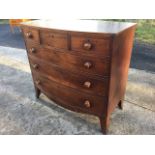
pixel 87 64
pixel 35 66
pixel 87 104
pixel 29 34
pixel 38 82
pixel 87 84
pixel 32 50
pixel 87 46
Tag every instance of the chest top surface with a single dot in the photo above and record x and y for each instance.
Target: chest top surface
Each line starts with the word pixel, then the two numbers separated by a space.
pixel 92 26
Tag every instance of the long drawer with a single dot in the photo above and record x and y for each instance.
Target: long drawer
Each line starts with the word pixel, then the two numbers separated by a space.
pixel 71 62
pixel 71 97
pixel 84 83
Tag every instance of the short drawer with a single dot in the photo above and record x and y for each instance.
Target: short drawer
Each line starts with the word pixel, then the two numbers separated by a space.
pixel 31 34
pixel 71 97
pixel 68 61
pixel 90 45
pixel 54 39
pixel 83 83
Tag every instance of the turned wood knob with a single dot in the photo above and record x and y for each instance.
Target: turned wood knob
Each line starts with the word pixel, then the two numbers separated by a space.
pixel 87 104
pixel 35 66
pixel 29 34
pixel 32 50
pixel 87 46
pixel 87 84
pixel 87 64
pixel 37 82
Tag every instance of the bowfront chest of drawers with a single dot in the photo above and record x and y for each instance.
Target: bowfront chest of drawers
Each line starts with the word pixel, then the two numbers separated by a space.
pixel 81 65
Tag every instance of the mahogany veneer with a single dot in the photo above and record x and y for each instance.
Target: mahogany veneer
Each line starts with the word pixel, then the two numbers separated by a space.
pixel 81 65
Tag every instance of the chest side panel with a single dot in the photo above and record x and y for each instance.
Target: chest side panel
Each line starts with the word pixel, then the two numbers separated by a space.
pixel 120 61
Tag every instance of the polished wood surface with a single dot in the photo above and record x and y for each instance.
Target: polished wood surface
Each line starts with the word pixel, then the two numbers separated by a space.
pixel 81 65
pixel 91 26
pixel 54 39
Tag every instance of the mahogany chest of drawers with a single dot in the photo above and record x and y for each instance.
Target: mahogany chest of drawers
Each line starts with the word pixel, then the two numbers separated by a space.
pixel 81 65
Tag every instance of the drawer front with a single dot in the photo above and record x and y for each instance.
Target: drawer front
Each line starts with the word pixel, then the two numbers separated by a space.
pixel 31 34
pixel 54 39
pixel 70 97
pixel 89 45
pixel 65 60
pixel 84 83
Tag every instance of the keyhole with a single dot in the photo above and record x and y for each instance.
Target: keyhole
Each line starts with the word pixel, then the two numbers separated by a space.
pixel 52 35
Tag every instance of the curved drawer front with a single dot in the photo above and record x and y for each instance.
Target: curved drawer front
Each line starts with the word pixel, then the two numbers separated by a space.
pixel 84 83
pixel 77 64
pixel 90 45
pixel 70 97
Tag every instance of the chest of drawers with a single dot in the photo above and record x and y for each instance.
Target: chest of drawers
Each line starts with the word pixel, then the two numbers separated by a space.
pixel 81 65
